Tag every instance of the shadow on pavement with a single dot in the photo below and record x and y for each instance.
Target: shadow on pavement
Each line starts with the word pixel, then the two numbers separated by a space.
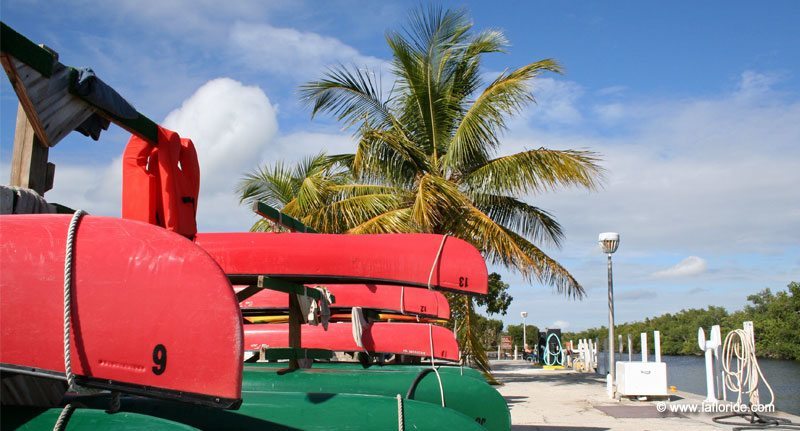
pixel 554 428
pixel 555 377
pixel 513 399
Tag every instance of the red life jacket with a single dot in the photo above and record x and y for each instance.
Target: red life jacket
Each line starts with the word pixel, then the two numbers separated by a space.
pixel 161 183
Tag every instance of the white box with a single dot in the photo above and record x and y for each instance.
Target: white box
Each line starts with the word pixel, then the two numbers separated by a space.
pixel 641 379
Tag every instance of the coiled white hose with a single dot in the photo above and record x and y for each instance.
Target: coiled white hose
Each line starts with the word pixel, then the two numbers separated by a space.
pixel 744 379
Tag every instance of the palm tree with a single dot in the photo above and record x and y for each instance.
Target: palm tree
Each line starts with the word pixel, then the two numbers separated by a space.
pixel 424 158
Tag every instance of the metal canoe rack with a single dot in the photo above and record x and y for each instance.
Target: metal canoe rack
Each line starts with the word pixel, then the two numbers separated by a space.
pixel 295 352
pixel 278 217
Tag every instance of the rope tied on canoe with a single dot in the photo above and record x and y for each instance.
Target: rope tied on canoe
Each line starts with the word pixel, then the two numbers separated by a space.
pixel 316 312
pixel 403 300
pixel 400 417
pixel 68 271
pixel 433 366
pixel 436 261
pixel 358 323
pixel 69 253
pixel 63 417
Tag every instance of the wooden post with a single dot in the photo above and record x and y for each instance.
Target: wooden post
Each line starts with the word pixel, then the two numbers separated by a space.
pixel 29 165
pixel 295 320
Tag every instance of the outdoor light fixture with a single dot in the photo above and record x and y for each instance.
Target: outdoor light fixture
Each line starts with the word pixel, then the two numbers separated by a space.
pixel 524 314
pixel 609 241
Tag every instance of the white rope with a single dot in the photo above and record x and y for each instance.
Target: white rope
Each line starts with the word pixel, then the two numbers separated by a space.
pixel 400 418
pixel 69 252
pixel 115 404
pixel 324 306
pixel 436 261
pixel 744 378
pixel 403 300
pixel 63 418
pixel 358 323
pixel 435 370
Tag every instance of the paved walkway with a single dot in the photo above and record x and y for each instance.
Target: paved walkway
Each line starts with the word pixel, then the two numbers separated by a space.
pixel 542 400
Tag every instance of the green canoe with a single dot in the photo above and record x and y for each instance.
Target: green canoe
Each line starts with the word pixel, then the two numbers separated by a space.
pixel 259 411
pixel 31 418
pixel 469 396
pixel 449 369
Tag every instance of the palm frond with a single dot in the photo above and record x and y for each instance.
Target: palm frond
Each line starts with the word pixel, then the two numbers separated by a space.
pixel 393 162
pixel 472 350
pixel 536 171
pixel 502 246
pixel 262 225
pixel 437 203
pixel 531 222
pixel 404 150
pixel 342 161
pixel 344 214
pixel 350 94
pixel 357 189
pixel 467 76
pixel 477 133
pixel 425 60
pixel 274 185
pixel 394 221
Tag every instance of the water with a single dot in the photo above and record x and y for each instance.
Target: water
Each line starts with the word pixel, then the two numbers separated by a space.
pixel 688 373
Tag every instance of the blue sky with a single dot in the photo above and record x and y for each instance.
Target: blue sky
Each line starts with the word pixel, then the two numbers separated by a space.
pixel 695 107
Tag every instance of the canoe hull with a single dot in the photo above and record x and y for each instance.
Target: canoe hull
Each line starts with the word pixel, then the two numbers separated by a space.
pixel 378 368
pixel 128 279
pixel 422 260
pixel 260 411
pixel 379 337
pixel 469 396
pixel 382 297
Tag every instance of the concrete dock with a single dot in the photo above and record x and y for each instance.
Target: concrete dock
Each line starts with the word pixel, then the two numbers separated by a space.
pixel 546 400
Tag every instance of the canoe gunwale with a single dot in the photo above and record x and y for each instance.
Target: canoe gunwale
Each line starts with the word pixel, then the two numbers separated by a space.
pixel 252 279
pixel 130 388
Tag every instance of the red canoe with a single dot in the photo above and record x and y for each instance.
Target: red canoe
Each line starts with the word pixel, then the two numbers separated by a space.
pixel 378 337
pixel 419 260
pixel 381 297
pixel 129 278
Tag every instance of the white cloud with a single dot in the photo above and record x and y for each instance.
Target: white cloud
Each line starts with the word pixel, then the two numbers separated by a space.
pixel 291 52
pixel 556 101
pixel 610 112
pixel 704 175
pixel 714 177
pixel 614 90
pixel 755 84
pixel 231 126
pixel 691 265
pixel 560 324
pixel 295 146
pixel 635 295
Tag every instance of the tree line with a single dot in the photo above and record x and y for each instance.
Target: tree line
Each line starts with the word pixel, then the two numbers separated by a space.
pixel 775 316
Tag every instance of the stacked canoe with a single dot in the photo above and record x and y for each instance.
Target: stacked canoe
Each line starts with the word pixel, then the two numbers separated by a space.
pixel 141 323
pixel 185 368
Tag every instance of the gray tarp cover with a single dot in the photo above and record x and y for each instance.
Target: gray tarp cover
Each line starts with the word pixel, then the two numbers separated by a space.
pixel 101 95
pixel 19 200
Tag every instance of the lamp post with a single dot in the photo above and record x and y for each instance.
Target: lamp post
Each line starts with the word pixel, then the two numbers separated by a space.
pixel 609 241
pixel 524 314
